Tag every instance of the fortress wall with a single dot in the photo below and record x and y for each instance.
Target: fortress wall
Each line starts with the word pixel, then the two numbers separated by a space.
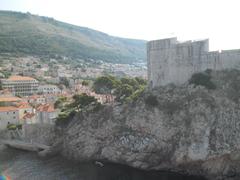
pixel 218 61
pixel 193 48
pixel 230 59
pixel 186 61
pixel 161 55
pixel 173 62
pixel 170 61
pixel 208 61
pixel 179 73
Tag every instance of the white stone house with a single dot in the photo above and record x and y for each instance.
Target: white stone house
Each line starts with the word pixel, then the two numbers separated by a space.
pixel 46 114
pixel 29 118
pixel 23 109
pixel 20 85
pixel 8 114
pixel 48 89
pixel 36 99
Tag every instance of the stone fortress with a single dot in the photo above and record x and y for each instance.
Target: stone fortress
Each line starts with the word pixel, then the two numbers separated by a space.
pixel 171 61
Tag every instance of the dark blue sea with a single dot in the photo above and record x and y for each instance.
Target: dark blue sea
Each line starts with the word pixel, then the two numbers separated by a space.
pixel 20 165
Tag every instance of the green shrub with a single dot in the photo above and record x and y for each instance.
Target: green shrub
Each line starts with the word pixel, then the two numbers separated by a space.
pixel 82 101
pixel 64 118
pixel 151 100
pixel 11 127
pixel 138 93
pixel 129 89
pixel 19 126
pixel 202 79
pixel 60 102
pixel 97 107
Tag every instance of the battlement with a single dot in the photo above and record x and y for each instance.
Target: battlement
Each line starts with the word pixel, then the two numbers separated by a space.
pixel 162 43
pixel 172 61
pixel 172 43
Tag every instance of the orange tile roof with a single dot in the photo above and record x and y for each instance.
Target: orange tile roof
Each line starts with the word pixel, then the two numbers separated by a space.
pixel 45 108
pixel 10 99
pixel 8 109
pixel 20 78
pixel 28 115
pixel 23 105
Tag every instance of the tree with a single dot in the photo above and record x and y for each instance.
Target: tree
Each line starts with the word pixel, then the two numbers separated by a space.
pixel 60 102
pixel 141 81
pixel 123 91
pixel 64 118
pixel 2 104
pixel 129 89
pixel 131 82
pixel 7 74
pixel 38 66
pixel 82 101
pixel 202 79
pixel 104 84
pixel 65 81
pixel 85 83
pixel 151 100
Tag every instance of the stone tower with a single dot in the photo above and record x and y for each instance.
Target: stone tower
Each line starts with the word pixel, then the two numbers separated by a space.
pixel 171 61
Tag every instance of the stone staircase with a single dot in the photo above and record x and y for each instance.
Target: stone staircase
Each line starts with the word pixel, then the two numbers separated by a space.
pixel 15 134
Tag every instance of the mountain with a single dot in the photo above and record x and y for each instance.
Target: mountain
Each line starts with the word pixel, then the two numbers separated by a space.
pixel 37 35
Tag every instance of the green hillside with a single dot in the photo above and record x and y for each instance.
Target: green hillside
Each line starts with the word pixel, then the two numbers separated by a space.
pixel 43 36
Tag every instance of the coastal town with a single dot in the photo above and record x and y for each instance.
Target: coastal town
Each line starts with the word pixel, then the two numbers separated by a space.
pixel 30 87
pixel 119 90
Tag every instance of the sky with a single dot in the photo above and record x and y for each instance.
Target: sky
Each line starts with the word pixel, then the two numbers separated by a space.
pixel 218 20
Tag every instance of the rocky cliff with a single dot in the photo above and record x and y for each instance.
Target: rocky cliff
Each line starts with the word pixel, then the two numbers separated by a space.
pixel 40 133
pixel 185 129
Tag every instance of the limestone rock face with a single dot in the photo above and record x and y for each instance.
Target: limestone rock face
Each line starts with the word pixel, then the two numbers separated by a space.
pixel 191 129
pixel 39 133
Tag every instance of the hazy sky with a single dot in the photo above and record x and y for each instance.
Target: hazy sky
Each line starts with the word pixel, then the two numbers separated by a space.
pixel 218 20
